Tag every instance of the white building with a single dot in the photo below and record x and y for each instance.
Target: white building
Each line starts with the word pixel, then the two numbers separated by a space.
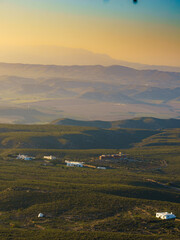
pixel 40 215
pixel 24 157
pixel 74 164
pixel 101 168
pixel 165 215
pixel 50 157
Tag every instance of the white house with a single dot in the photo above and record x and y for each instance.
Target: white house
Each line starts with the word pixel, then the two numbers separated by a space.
pixel 50 157
pixel 101 168
pixel 24 157
pixel 74 164
pixel 165 215
pixel 40 215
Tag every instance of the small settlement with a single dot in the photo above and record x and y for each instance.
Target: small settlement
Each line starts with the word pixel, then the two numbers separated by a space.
pixel 119 156
pixel 105 157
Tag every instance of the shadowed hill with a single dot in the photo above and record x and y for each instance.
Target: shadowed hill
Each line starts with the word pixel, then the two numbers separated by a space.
pixel 138 123
pixel 72 122
pixel 69 137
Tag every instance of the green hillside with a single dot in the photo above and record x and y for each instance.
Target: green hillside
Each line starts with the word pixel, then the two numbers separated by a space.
pixel 164 138
pixel 140 123
pixel 69 137
pixel 119 202
pixel 83 203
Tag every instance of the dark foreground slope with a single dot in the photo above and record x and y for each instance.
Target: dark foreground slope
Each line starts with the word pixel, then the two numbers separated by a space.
pixel 83 203
pixel 69 137
pixel 139 123
pixel 119 202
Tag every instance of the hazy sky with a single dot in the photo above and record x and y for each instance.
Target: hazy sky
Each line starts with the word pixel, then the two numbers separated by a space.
pixel 147 32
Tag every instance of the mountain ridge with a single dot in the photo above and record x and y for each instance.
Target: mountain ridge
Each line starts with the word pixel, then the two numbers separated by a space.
pixel 136 123
pixel 69 56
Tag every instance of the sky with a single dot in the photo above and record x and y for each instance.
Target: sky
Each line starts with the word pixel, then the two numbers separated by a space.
pixel 33 30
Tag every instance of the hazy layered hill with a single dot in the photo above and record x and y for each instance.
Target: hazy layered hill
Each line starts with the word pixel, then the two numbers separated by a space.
pixel 99 73
pixel 138 123
pixel 86 92
pixel 164 94
pixel 48 55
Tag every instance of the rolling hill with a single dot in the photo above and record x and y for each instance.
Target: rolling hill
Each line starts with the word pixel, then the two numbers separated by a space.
pixel 68 137
pixel 114 73
pixel 87 92
pixel 138 123
pixel 79 137
pixel 119 202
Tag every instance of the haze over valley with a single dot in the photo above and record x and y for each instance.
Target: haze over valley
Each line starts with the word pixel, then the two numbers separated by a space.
pixel 42 93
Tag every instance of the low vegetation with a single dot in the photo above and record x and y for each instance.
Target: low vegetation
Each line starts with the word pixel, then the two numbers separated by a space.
pixel 87 203
pixel 69 137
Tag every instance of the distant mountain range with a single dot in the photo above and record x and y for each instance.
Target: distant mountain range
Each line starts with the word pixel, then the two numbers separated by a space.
pixel 136 123
pixel 24 115
pixel 51 55
pixel 86 92
pixel 87 72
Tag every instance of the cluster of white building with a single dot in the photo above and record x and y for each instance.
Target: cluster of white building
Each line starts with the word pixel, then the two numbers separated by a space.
pixel 80 164
pixel 68 163
pixel 26 157
pixel 162 215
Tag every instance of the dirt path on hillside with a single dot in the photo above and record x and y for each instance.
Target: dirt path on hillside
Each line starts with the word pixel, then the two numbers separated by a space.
pixel 163 185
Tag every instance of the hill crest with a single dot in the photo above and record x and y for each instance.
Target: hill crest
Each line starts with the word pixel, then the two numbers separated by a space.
pixel 136 123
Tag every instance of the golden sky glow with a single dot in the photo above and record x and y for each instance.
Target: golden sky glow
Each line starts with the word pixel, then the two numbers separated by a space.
pixel 129 38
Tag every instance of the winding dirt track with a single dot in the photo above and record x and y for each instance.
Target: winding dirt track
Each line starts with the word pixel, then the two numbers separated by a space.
pixel 163 185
